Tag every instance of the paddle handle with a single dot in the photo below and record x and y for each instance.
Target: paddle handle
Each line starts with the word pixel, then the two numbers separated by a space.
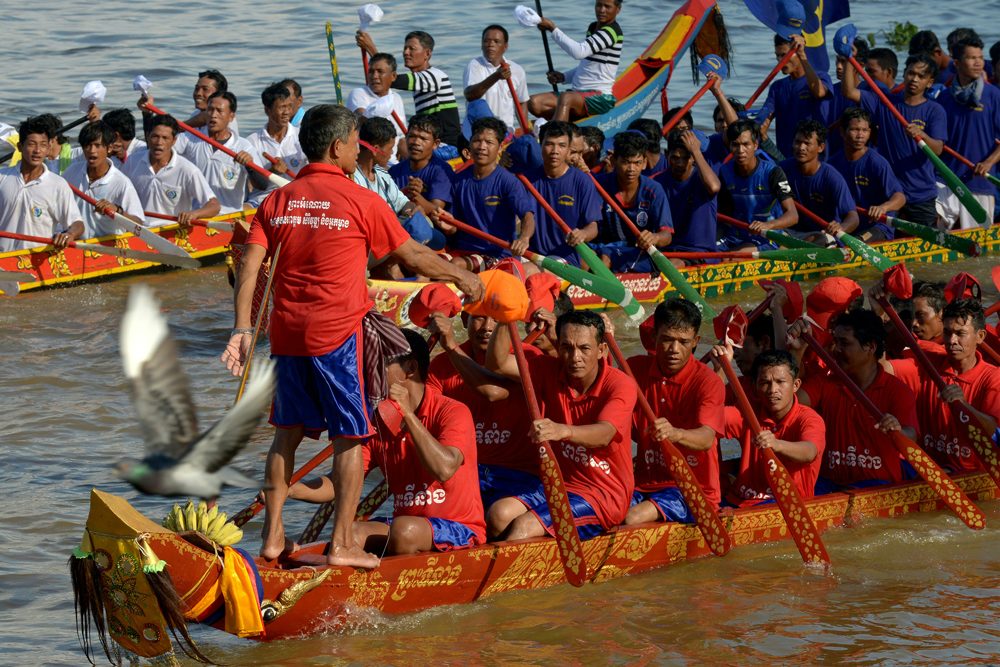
pixel 521 118
pixel 197 222
pixel 399 122
pixel 545 45
pixel 676 118
pixel 254 508
pixel 770 77
pixel 364 62
pixel 478 233
pixel 842 375
pixel 257 324
pixel 273 160
pixel 969 163
pixel 859 247
pixel 35 239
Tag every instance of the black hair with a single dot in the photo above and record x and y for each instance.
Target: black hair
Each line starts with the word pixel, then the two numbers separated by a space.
pixel 963 310
pixel 957 35
pixel 737 106
pixel 98 130
pixel 389 59
pixel 854 113
pixel 221 85
pixel 772 358
pixel 582 318
pixel 630 145
pixel 166 120
pixel 779 40
pixel 593 136
pixel 867 327
pixel 37 125
pixel 652 131
pixel 811 126
pixel 995 56
pixel 54 123
pixel 958 48
pixel 293 84
pixel 932 292
pixel 734 130
pixel 886 59
pixel 500 28
pixel 670 114
pixel 557 128
pixel 677 312
pixel 924 41
pixel 760 328
pixel 321 126
pixel 490 123
pixel 227 96
pixel 425 122
pixel 276 92
pixel 424 38
pixel 376 131
pixel 863 49
pixel 923 59
pixel 121 121
pixel 419 353
pixel 675 142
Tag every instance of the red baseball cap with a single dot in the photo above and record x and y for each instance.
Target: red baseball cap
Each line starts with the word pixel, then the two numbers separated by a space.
pixel 831 297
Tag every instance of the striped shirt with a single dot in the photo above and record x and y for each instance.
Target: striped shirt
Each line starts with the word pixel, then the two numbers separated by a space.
pixel 599 54
pixel 433 94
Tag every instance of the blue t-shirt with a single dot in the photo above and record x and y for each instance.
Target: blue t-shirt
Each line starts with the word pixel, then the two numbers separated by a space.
pixel 757 196
pixel 436 175
pixel 693 211
pixel 837 105
pixel 660 165
pixel 649 210
pixel 575 199
pixel 825 193
pixel 971 132
pixel 869 178
pixel 491 204
pixel 790 101
pixel 716 152
pixel 911 166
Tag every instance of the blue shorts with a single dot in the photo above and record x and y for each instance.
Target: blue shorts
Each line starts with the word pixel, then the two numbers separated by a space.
pixel 887 232
pixel 669 503
pixel 446 534
pixel 587 523
pixel 324 393
pixel 625 257
pixel 496 482
pixel 737 241
pixel 825 486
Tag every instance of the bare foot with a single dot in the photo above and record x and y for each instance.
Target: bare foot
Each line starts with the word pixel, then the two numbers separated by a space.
pixel 274 543
pixel 353 556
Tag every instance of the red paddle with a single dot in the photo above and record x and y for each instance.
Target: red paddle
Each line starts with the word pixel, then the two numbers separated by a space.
pixel 254 508
pixel 273 160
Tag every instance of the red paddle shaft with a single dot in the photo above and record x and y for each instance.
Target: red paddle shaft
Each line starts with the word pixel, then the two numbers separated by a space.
pixel 254 508
pixel 669 125
pixel 273 160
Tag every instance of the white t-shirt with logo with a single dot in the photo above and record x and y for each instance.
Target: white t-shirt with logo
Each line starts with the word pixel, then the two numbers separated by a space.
pixel 113 186
pixel 42 207
pixel 226 177
pixel 288 149
pixel 498 96
pixel 179 186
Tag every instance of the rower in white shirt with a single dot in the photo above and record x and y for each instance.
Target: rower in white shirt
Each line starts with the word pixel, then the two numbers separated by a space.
pixel 209 83
pixel 378 99
pixel 298 111
pixel 125 143
pixel 33 200
pixel 167 182
pixel 485 79
pixel 98 177
pixel 226 175
pixel 278 138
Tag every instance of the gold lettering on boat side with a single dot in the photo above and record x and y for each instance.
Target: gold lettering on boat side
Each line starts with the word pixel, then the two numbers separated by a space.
pixel 59 265
pixel 368 588
pixel 384 302
pixel 181 237
pixel 535 566
pixel 432 576
pixel 123 245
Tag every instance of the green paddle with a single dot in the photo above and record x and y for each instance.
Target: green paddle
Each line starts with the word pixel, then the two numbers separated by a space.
pixel 333 62
pixel 960 244
pixel 784 240
pixel 859 247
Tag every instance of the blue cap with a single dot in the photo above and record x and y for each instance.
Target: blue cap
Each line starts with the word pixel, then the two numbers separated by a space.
pixel 713 64
pixel 843 41
pixel 525 154
pixel 478 109
pixel 791 18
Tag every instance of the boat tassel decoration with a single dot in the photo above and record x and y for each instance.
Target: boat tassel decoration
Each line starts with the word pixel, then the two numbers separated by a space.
pixel 122 589
pixel 712 38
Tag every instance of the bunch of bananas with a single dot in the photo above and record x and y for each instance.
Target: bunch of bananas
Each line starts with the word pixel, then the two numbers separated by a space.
pixel 211 523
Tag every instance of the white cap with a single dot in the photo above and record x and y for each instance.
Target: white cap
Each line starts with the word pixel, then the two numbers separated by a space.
pixel 141 83
pixel 93 93
pixel 370 13
pixel 527 16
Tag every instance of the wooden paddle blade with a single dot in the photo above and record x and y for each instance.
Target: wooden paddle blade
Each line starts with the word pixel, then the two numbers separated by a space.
pixel 706 516
pixel 186 262
pixel 563 523
pixel 800 524
pixel 962 244
pixel 938 480
pixel 956 185
pixel 805 255
pixel 865 252
pixel 680 283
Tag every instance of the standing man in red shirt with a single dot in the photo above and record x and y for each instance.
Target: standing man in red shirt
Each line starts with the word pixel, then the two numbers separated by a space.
pixel 971 382
pixel 327 225
pixel 586 406
pixel 689 400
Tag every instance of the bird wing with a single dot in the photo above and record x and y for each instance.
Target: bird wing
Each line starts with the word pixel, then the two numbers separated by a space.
pixel 224 440
pixel 160 391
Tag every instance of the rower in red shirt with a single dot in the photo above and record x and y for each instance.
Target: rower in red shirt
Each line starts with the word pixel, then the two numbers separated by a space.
pixel 972 382
pixel 858 451
pixel 926 304
pixel 508 459
pixel 586 407
pixel 327 226
pixel 795 432
pixel 429 464
pixel 689 400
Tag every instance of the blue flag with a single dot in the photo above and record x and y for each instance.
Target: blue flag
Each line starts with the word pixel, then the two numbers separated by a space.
pixel 819 14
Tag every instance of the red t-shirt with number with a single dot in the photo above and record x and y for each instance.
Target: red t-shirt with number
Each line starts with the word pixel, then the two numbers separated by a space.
pixel 601 475
pixel 689 399
pixel 502 427
pixel 801 424
pixel 414 489
pixel 326 224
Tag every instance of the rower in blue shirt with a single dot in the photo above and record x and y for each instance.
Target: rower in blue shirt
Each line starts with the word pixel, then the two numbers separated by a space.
pixel 818 186
pixel 753 190
pixel 642 199
pixel 692 188
pixel 424 177
pixel 869 176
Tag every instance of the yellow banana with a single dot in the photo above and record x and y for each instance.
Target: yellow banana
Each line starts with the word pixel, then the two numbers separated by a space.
pixel 190 516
